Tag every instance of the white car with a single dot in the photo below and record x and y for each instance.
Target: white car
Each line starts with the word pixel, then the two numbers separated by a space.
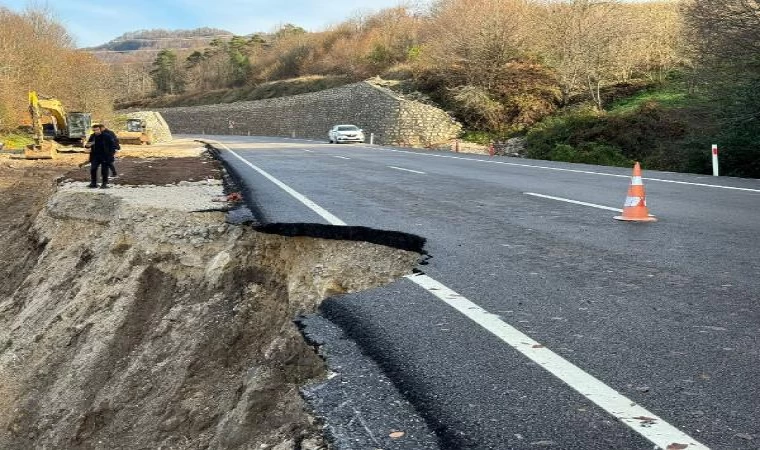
pixel 345 133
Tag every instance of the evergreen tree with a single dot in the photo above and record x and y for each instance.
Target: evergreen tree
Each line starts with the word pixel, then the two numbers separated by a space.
pixel 166 74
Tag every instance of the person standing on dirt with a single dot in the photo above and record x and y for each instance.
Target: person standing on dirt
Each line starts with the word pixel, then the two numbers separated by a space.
pixel 102 149
pixel 116 149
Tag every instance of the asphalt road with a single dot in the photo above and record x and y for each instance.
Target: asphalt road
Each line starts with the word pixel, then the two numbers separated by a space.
pixel 585 320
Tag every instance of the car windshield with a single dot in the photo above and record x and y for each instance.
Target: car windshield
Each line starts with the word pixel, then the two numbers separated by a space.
pixel 348 128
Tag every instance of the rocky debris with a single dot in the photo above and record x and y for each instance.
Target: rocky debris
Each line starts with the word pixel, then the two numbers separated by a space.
pixel 184 196
pixel 512 147
pixel 148 327
pixel 138 324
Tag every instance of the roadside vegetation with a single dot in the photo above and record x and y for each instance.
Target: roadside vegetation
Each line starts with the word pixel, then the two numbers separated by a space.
pixel 36 53
pixel 595 81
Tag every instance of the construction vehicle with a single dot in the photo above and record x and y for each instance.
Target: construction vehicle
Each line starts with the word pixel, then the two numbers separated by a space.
pixel 65 128
pixel 136 133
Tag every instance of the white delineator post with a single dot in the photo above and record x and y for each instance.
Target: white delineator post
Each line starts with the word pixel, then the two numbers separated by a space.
pixel 715 160
pixel 371 138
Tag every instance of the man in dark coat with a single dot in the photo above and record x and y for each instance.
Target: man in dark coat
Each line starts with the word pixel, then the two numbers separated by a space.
pixel 102 148
pixel 118 147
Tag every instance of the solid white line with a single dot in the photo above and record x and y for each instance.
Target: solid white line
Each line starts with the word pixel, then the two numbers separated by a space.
pixel 576 202
pixel 341 157
pixel 624 409
pixel 703 185
pixel 301 198
pixel 559 169
pixel 407 170
pixel 636 417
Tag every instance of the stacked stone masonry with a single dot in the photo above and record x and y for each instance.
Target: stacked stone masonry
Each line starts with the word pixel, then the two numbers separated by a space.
pixel 392 119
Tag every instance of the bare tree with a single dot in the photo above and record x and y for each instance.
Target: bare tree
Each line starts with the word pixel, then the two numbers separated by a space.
pixel 578 39
pixel 725 36
pixel 37 54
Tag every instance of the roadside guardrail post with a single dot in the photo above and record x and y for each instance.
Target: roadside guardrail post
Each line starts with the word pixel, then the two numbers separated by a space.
pixel 715 159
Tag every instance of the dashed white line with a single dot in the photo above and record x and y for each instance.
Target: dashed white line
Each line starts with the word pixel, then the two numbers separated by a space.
pixel 341 157
pixel 576 202
pixel 309 151
pixel 407 170
pixel 639 419
pixel 624 409
pixel 560 169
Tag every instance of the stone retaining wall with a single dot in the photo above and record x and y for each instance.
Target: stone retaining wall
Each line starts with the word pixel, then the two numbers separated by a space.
pixel 392 119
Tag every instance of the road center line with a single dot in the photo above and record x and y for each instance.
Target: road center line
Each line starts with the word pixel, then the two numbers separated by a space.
pixel 341 157
pixel 589 172
pixel 639 419
pixel 576 202
pixel 407 170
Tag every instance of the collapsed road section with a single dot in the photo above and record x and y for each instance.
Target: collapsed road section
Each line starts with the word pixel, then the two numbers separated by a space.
pixel 135 317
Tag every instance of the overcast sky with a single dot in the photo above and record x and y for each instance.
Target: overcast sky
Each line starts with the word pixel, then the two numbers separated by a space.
pixel 95 22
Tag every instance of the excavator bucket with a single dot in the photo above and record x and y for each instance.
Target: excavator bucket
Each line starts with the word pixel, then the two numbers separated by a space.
pixel 46 150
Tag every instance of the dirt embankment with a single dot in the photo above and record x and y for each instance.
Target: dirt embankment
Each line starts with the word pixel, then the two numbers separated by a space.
pixel 128 323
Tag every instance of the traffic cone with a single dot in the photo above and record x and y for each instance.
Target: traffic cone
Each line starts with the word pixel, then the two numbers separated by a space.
pixel 635 208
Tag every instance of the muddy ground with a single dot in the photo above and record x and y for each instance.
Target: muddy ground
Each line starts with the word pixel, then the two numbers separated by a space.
pixel 127 323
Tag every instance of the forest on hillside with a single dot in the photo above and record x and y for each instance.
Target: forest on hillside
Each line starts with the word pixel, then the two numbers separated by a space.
pixel 600 81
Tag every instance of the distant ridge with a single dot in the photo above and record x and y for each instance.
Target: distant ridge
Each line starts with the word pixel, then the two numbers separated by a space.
pixel 151 41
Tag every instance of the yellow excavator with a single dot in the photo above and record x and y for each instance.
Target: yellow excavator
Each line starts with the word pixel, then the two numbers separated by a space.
pixel 66 128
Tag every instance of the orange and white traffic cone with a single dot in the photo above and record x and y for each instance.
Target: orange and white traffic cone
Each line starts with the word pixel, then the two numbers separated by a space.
pixel 635 208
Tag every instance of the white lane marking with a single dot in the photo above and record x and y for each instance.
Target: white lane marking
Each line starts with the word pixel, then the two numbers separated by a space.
pixel 341 157
pixel 703 185
pixel 407 170
pixel 624 409
pixel 301 198
pixel 636 417
pixel 559 169
pixel 310 151
pixel 576 202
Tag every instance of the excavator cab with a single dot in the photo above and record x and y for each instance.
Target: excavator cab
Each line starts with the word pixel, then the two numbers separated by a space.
pixel 79 125
pixel 136 132
pixel 135 125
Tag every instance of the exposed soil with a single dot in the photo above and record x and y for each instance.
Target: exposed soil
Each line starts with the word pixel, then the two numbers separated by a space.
pixel 181 160
pixel 136 171
pixel 24 188
pixel 127 325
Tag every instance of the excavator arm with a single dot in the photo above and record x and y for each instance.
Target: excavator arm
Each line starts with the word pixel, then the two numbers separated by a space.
pixel 41 149
pixel 36 114
pixel 56 110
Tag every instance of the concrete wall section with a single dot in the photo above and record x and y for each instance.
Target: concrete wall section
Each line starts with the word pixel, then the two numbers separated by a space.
pixel 392 119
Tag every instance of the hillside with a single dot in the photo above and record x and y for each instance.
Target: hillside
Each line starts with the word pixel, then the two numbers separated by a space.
pixel 554 72
pixel 145 44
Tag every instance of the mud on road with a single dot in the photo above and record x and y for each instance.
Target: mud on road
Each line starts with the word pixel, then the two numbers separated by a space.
pixel 127 323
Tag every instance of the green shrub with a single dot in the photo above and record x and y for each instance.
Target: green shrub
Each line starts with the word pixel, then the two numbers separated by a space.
pixel 590 153
pixel 16 140
pixel 478 137
pixel 542 139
